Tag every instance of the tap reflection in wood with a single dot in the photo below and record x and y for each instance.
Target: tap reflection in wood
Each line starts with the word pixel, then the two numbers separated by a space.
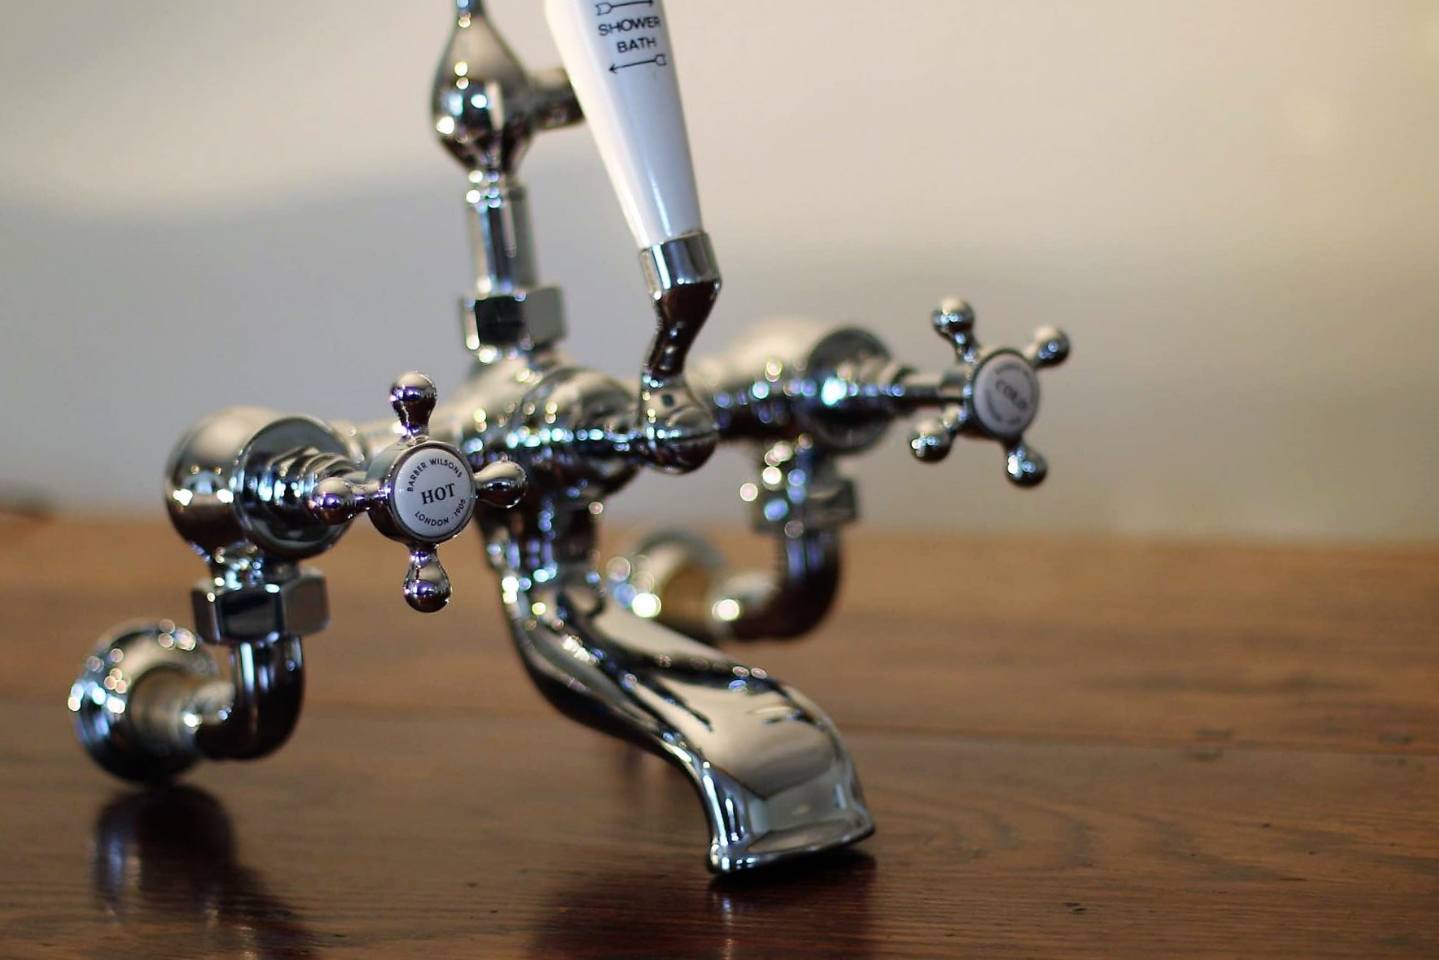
pixel 171 853
pixel 771 913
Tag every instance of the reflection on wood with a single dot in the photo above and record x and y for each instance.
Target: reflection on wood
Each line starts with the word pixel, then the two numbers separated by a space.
pixel 1072 749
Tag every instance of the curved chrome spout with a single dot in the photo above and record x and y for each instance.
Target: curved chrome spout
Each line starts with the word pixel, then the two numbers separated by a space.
pixel 771 770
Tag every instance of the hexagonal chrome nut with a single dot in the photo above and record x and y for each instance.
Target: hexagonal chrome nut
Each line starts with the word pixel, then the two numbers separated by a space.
pixel 264 612
pixel 525 319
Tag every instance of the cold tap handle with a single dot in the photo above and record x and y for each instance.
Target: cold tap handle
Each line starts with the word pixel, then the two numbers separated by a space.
pixel 620 62
pixel 991 392
pixel 418 491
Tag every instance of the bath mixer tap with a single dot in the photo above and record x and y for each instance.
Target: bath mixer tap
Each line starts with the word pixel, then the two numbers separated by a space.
pixel 542 443
pixel 254 492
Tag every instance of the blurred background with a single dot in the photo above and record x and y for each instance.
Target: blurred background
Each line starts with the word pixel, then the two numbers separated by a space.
pixel 1232 206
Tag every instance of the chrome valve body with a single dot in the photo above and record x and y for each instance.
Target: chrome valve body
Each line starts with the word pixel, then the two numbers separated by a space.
pixel 538 443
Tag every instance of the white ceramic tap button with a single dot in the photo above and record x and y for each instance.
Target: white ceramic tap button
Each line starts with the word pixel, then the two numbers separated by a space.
pixel 620 63
pixel 433 495
pixel 1006 395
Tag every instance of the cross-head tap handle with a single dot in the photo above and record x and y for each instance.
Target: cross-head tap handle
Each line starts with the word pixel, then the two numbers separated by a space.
pixel 991 392
pixel 418 491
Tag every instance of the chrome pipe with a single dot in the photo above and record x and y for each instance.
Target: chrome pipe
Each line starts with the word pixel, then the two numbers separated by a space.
pixel 249 714
pixel 500 236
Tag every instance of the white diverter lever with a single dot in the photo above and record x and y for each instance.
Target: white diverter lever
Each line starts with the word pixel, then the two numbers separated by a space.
pixel 622 68
pixel 621 65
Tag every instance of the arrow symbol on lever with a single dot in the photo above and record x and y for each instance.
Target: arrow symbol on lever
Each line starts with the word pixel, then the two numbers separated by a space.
pixel 603 8
pixel 659 60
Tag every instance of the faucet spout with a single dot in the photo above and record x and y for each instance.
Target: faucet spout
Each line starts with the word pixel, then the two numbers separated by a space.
pixel 771 770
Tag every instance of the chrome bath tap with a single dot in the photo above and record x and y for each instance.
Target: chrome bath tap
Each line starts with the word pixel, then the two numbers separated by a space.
pixel 531 445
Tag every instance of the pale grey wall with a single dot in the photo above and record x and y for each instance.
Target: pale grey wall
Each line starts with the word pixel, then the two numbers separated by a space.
pixel 1231 205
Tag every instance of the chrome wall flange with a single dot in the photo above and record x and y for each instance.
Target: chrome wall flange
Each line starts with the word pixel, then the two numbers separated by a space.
pixel 100 698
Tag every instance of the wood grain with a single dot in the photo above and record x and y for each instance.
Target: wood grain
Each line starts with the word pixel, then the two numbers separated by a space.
pixel 1031 639
pixel 530 838
pixel 1073 749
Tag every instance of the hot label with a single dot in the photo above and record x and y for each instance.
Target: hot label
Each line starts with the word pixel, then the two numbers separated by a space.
pixel 434 497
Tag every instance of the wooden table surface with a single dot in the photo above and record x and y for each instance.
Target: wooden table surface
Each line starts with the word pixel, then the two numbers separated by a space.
pixel 1072 748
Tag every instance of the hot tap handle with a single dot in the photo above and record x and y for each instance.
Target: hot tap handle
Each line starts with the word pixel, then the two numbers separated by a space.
pixel 621 64
pixel 418 491
pixel 991 392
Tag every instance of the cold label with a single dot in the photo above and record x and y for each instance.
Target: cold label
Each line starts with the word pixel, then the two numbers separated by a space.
pixel 1006 394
